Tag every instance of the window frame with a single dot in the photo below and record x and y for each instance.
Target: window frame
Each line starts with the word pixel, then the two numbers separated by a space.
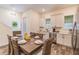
pixel 70 24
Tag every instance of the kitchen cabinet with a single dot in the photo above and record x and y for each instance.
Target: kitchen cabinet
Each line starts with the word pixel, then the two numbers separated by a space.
pixel 64 39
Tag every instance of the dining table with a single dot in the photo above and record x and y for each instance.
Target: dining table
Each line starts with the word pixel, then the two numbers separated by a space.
pixel 30 47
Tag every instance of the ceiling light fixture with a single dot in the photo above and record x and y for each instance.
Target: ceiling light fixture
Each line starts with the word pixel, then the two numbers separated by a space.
pixel 12 13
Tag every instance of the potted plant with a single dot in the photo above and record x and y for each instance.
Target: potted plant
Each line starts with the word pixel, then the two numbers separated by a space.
pixel 14 24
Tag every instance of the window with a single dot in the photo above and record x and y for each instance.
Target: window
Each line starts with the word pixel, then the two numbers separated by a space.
pixel 68 22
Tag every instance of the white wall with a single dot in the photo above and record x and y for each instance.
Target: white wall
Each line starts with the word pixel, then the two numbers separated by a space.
pixel 6 19
pixel 8 16
pixel 4 30
pixel 33 19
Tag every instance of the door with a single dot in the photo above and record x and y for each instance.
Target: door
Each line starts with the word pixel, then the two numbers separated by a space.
pixel 25 26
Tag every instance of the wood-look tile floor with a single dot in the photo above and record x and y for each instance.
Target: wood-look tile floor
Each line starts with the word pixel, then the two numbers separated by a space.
pixel 4 50
pixel 55 50
pixel 61 50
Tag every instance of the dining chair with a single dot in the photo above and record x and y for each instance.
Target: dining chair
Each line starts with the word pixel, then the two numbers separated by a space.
pixel 32 34
pixel 47 47
pixel 10 47
pixel 13 48
pixel 16 50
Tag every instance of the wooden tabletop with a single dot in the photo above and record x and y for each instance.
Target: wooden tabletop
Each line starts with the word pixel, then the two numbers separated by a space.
pixel 30 47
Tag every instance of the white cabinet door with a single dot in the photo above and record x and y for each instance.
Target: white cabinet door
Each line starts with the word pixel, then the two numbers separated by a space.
pixel 67 40
pixel 64 39
pixel 60 39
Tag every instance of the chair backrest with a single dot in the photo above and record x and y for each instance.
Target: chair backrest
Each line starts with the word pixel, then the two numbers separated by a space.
pixel 41 36
pixel 32 34
pixel 47 47
pixel 10 48
pixel 16 33
pixel 15 47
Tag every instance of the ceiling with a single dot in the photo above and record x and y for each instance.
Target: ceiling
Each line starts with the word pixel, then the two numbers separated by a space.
pixel 36 7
